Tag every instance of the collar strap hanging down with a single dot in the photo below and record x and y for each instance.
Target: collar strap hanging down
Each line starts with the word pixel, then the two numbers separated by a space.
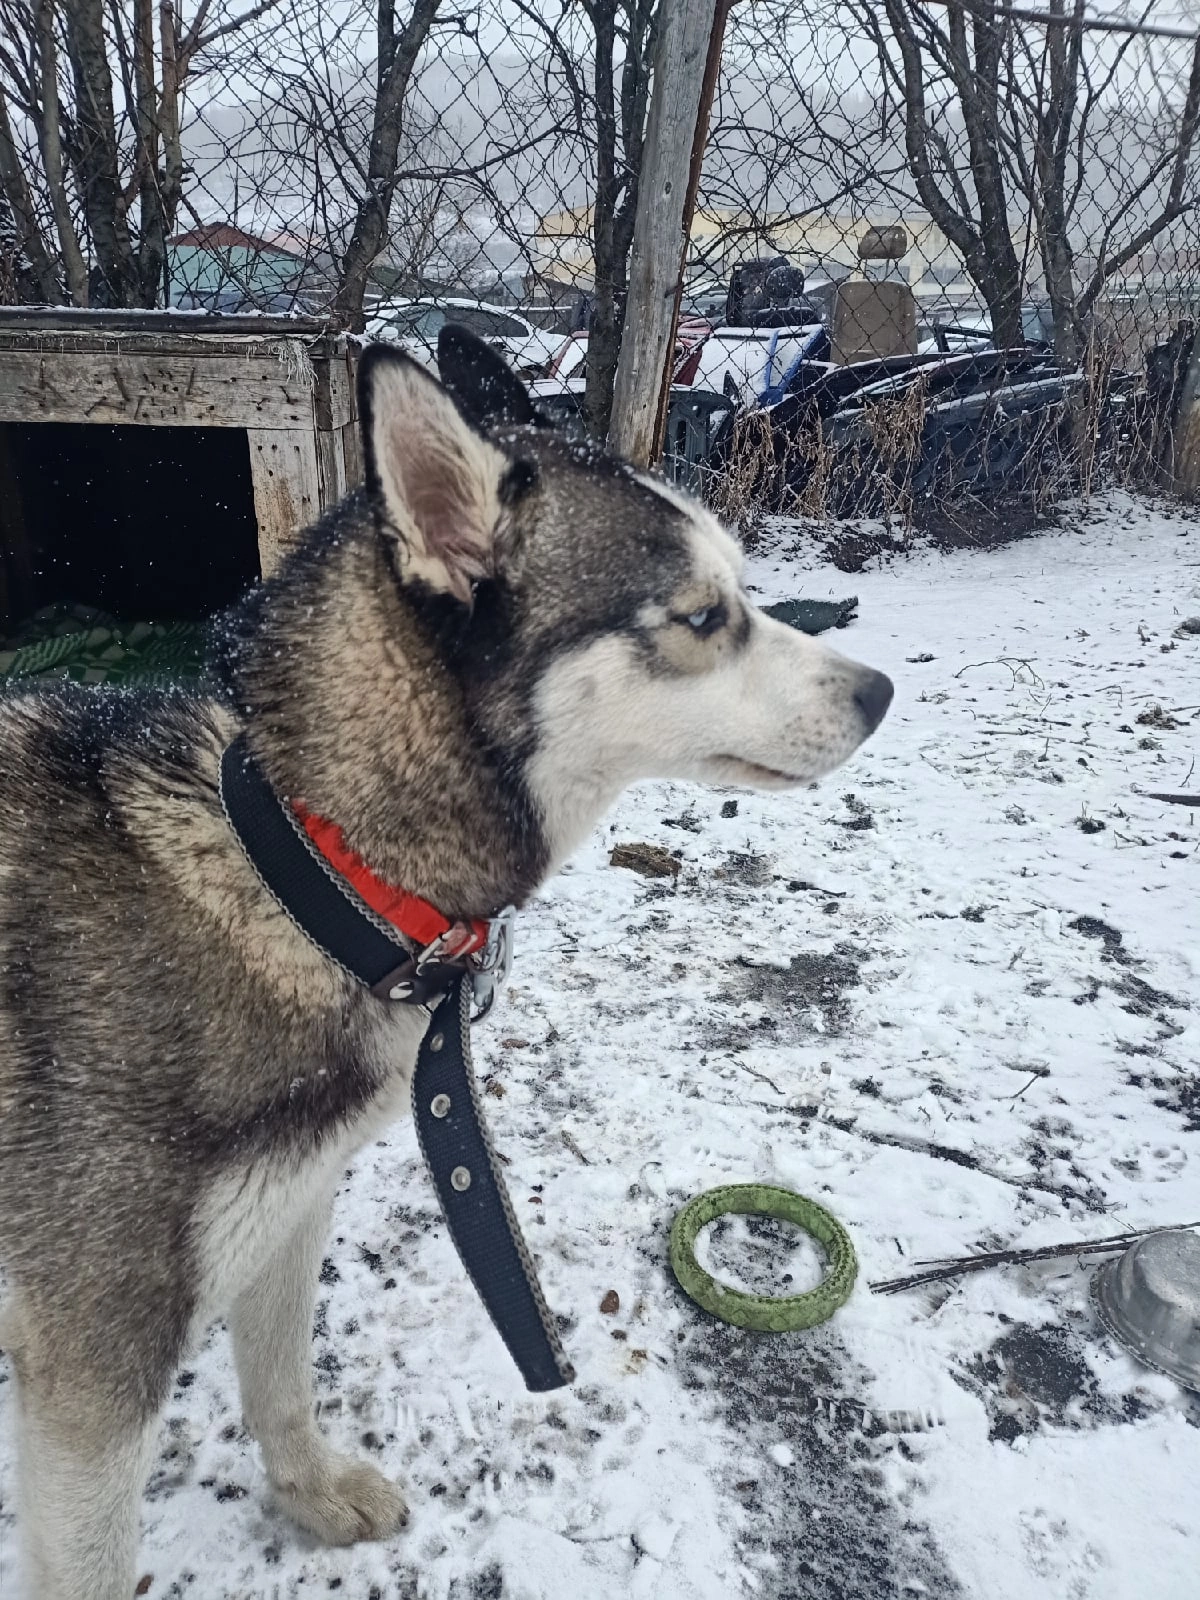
pixel 357 921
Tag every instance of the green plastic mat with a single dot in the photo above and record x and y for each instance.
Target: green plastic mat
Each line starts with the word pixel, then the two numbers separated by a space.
pixel 84 645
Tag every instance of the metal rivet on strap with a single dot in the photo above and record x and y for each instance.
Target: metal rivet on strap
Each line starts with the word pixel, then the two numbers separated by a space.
pixel 440 1105
pixel 437 1041
pixel 460 1179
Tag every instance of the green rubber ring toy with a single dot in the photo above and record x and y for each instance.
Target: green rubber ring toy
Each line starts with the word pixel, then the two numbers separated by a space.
pixel 764 1313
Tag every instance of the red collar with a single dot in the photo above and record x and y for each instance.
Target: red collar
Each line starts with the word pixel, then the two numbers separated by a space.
pixel 415 918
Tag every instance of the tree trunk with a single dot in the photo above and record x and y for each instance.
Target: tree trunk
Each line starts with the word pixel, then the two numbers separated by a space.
pixel 152 245
pixel 115 277
pixel 20 205
pixel 684 30
pixel 604 334
pixel 397 56
pixel 1052 137
pixel 978 87
pixel 984 241
pixel 50 144
pixel 615 202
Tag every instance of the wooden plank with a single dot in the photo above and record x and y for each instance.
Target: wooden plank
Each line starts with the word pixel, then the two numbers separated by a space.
pixel 199 391
pixel 352 450
pixel 333 399
pixel 154 323
pixel 287 488
pixel 708 90
pixel 685 27
pixel 331 467
pixel 1187 428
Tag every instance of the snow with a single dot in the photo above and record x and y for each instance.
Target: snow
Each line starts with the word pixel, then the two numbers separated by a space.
pixel 887 1002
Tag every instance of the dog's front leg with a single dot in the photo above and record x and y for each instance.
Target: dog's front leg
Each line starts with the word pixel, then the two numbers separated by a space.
pixel 336 1497
pixel 83 1456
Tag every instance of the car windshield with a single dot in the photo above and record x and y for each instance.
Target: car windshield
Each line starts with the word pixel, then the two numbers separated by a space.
pixel 418 322
pixel 491 324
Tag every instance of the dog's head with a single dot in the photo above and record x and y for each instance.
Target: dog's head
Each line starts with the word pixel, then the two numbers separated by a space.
pixel 597 616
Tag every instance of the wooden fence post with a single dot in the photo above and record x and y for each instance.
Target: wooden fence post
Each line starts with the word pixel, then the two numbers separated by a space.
pixel 1187 427
pixel 685 30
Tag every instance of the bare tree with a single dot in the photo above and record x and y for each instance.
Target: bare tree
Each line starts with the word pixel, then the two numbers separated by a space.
pixel 1010 121
pixel 943 69
pixel 1066 114
pixel 620 91
pixel 397 49
pixel 789 138
pixel 91 158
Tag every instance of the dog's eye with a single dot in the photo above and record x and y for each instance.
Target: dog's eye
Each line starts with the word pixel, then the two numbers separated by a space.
pixel 705 621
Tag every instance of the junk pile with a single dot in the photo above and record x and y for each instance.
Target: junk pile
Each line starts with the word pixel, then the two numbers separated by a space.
pixel 863 438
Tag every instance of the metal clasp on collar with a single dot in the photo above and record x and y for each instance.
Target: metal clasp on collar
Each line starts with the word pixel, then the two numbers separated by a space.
pixel 455 950
pixel 491 965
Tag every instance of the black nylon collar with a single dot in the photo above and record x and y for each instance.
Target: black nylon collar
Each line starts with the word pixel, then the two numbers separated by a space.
pixel 317 900
pixel 450 1126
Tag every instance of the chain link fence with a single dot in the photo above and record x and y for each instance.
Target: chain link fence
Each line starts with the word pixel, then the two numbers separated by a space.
pixel 942 254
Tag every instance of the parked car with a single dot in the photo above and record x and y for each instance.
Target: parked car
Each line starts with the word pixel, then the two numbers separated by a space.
pixel 414 325
pixel 694 420
pixel 570 359
pixel 963 334
pixel 754 365
pixel 991 423
pixel 705 300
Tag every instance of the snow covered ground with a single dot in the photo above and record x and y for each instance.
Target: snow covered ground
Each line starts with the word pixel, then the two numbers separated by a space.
pixel 924 995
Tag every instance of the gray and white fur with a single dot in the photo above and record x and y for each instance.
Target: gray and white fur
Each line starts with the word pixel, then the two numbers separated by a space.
pixel 462 665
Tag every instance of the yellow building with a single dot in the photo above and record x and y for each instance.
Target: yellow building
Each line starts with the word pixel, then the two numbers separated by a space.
pixel 561 248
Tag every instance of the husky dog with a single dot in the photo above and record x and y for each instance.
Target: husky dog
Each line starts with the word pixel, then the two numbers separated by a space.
pixel 462 665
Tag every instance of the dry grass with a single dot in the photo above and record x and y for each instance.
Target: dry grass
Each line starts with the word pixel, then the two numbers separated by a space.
pixel 1100 434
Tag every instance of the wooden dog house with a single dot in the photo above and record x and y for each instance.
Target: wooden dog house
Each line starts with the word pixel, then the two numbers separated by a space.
pixel 197 445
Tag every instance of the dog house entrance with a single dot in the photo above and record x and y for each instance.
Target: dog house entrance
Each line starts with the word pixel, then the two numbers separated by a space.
pixel 152 524
pixel 152 465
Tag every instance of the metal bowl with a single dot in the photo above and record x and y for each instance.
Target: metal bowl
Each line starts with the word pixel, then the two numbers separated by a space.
pixel 1149 1300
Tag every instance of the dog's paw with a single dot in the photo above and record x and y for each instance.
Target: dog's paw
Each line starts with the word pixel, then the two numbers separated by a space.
pixel 345 1500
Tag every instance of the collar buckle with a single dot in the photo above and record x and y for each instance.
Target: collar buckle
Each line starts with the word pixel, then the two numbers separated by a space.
pixel 486 960
pixel 490 966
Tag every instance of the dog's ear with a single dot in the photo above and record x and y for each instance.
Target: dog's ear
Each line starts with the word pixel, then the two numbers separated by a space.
pixel 486 388
pixel 440 486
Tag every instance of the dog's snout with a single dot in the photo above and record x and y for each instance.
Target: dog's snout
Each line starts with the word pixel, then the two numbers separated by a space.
pixel 872 697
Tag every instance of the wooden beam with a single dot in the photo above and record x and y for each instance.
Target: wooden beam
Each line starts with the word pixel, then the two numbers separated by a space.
pixel 685 29
pixel 708 90
pixel 190 391
pixel 331 467
pixel 287 488
pixel 333 395
pixel 352 450
pixel 1187 428
pixel 152 324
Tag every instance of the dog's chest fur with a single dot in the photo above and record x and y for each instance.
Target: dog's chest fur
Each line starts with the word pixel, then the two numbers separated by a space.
pixel 238 1223
pixel 182 1073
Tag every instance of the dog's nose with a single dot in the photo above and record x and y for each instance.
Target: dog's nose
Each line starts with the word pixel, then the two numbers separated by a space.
pixel 872 697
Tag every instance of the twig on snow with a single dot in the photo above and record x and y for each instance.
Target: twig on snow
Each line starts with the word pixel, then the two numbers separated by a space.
pixel 761 1076
pixel 954 1267
pixel 1006 661
pixel 1033 1078
pixel 569 1141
